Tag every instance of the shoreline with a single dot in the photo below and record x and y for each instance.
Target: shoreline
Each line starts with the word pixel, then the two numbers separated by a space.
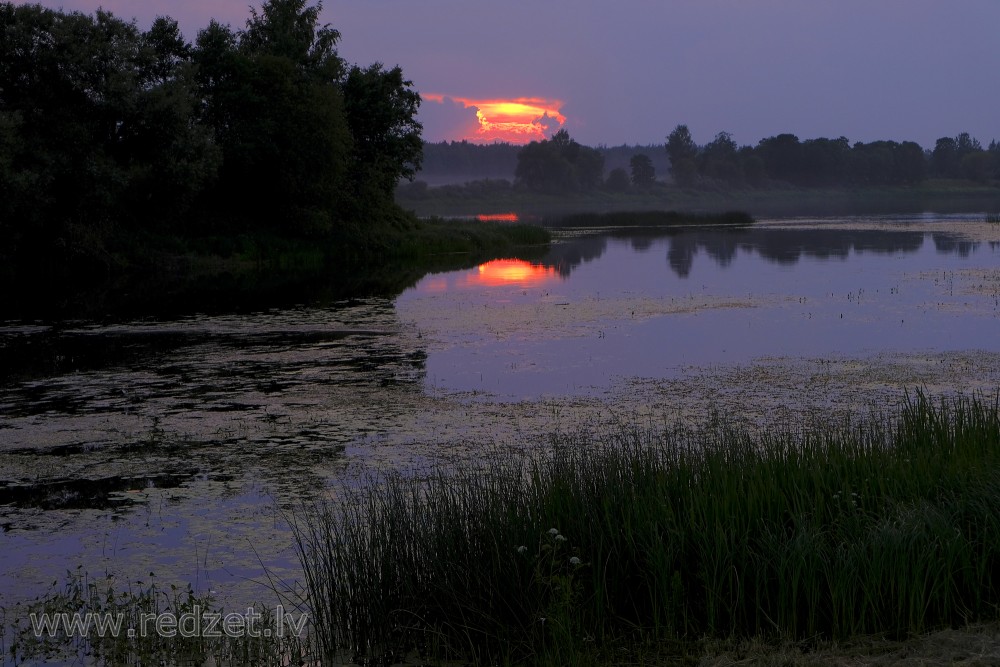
pixel 937 196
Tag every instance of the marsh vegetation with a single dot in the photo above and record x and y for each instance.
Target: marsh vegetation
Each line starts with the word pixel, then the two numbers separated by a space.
pixel 638 535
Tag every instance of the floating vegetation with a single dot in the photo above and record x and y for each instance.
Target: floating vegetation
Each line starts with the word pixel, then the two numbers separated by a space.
pixel 886 523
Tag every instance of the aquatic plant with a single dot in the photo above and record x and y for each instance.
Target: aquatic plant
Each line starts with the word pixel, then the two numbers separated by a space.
pixel 101 621
pixel 887 523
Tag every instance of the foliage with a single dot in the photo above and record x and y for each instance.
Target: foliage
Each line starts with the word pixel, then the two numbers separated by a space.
pixel 618 180
pixel 109 134
pixel 682 151
pixel 784 160
pixel 884 524
pixel 120 629
pixel 381 113
pixel 559 165
pixel 642 172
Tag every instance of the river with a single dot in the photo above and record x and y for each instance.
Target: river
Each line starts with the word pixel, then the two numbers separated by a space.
pixel 181 446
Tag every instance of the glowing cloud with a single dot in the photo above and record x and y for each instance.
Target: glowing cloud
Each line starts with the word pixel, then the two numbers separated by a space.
pixel 516 121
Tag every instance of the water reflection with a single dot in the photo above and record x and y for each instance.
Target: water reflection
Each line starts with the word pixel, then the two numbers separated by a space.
pixel 511 272
pixel 645 303
pixel 773 244
pixel 498 217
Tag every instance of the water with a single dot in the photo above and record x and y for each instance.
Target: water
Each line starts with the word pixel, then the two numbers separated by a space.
pixel 181 446
pixel 600 309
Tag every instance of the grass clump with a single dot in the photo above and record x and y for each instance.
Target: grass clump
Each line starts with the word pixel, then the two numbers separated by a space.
pixel 638 537
pixel 437 236
pixel 993 218
pixel 96 621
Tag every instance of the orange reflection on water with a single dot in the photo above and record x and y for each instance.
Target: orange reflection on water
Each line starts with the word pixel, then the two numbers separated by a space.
pixel 511 271
pixel 498 217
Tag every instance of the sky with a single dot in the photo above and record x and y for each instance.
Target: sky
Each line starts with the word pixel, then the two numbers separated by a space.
pixel 629 71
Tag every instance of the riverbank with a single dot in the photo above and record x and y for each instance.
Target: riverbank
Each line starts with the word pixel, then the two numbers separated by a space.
pixel 818 543
pixel 640 535
pixel 162 276
pixel 490 197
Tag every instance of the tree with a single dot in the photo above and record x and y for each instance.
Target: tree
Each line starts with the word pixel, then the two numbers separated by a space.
pixel 977 166
pixel 718 160
pixel 542 168
pixel 618 180
pixel 682 152
pixel 559 165
pixel 381 109
pixel 782 157
pixel 273 98
pixel 945 159
pixel 289 29
pixel 994 153
pixel 643 173
pixel 949 154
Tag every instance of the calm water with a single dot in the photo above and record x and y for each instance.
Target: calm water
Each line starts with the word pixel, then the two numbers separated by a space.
pixel 601 308
pixel 174 446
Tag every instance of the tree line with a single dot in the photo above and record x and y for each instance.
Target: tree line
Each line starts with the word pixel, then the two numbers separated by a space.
pixel 560 165
pixel 822 162
pixel 109 131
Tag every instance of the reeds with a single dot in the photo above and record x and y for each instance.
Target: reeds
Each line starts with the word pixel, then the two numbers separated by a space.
pixel 889 524
pixel 122 626
pixel 993 218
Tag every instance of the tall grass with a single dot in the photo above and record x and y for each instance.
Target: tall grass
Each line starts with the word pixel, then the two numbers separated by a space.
pixel 889 523
pixel 993 218
pixel 137 638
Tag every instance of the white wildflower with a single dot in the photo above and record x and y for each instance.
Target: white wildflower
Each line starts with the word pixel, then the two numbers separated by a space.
pixel 521 549
pixel 574 561
pixel 560 538
pixel 553 531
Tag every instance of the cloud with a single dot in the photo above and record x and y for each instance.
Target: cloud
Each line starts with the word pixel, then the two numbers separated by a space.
pixel 446 119
pixel 548 124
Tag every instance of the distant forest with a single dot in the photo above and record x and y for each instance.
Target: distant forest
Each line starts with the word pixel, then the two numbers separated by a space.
pixel 560 164
pixel 460 161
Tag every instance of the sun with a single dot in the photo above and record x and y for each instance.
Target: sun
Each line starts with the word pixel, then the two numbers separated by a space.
pixel 518 120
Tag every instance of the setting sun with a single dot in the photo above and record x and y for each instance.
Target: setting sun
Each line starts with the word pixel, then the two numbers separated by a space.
pixel 518 120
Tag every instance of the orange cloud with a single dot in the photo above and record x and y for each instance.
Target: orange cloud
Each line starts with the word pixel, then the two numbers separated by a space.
pixel 518 120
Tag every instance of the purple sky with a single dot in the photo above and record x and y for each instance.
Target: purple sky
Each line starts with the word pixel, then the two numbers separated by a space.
pixel 629 71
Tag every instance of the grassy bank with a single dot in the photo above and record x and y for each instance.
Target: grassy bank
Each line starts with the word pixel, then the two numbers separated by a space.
pixel 488 197
pixel 636 542
pixel 150 275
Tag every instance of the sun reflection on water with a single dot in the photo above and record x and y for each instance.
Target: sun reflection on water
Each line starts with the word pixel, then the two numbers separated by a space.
pixel 498 217
pixel 511 271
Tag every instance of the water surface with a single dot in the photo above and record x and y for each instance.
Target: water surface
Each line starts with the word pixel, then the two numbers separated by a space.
pixel 181 445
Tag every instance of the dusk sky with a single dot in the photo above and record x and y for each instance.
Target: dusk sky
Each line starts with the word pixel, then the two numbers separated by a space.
pixel 629 71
